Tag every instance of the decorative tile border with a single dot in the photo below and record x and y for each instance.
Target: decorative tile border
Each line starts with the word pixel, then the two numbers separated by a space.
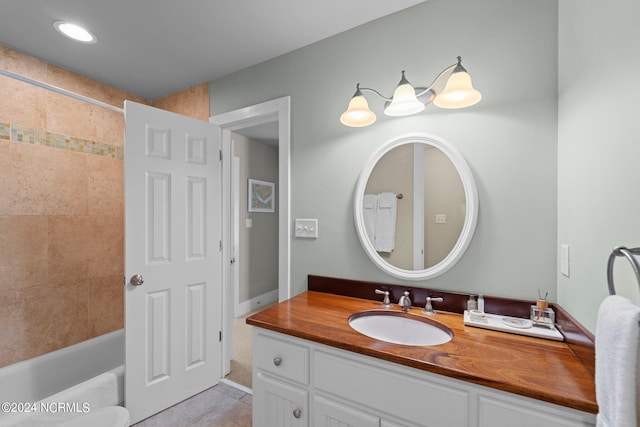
pixel 18 133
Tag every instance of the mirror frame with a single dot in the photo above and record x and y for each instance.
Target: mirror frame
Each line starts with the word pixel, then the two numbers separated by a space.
pixel 471 214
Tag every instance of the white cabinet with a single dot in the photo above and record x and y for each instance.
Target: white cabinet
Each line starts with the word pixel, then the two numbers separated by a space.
pixel 280 382
pixel 302 383
pixel 506 411
pixel 376 384
pixel 280 404
pixel 328 412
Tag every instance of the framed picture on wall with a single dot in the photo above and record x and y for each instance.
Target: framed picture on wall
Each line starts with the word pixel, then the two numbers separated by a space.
pixel 261 196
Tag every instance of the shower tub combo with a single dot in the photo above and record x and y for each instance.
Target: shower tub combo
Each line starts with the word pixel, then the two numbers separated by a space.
pixel 85 379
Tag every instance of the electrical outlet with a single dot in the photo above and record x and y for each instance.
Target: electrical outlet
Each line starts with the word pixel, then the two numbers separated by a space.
pixel 441 219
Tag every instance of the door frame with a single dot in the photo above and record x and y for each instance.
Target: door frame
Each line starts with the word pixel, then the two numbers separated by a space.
pixel 275 110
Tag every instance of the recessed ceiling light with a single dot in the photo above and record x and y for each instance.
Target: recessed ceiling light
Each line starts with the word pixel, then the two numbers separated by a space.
pixel 75 32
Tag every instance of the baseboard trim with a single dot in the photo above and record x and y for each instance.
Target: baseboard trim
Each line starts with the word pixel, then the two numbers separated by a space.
pixel 236 385
pixel 256 303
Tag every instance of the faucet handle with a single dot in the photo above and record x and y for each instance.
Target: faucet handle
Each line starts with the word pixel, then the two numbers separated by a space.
pixel 385 303
pixel 428 308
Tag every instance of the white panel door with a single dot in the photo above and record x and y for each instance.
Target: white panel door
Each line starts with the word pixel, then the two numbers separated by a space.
pixel 173 226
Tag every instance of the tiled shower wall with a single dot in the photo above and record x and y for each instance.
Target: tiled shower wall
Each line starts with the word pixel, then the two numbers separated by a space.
pixel 62 207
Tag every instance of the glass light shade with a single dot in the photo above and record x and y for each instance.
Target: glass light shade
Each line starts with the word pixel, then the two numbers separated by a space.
pixel 404 102
pixel 358 113
pixel 458 93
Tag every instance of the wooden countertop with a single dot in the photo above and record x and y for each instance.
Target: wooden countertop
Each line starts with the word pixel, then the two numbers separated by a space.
pixel 532 367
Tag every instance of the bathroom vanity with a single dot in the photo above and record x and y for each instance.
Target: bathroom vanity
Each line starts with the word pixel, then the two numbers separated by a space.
pixel 312 369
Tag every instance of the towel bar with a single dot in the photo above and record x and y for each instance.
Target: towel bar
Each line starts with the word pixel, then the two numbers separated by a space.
pixel 633 255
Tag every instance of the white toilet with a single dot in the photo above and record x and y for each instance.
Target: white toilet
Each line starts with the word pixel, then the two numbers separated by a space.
pixel 111 416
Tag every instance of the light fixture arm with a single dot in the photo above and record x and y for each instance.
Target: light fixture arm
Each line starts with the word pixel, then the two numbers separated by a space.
pixel 447 70
pixel 368 89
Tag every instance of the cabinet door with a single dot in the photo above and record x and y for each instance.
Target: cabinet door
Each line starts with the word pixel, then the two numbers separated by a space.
pixel 387 423
pixel 328 413
pixel 278 404
pixel 505 412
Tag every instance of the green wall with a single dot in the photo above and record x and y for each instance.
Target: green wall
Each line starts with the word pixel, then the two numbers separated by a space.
pixel 509 139
pixel 598 148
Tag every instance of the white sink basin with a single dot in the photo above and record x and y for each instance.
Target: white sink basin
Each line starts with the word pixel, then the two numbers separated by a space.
pixel 399 328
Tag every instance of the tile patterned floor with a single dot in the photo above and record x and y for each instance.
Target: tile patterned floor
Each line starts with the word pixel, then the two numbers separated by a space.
pixel 219 406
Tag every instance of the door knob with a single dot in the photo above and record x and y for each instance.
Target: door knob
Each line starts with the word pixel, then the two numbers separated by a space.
pixel 136 280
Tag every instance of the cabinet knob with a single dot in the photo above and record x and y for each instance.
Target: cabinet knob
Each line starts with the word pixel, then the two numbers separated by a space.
pixel 297 412
pixel 277 361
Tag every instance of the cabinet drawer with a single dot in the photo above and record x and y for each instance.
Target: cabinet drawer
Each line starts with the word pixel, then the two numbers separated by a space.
pixel 282 358
pixel 426 403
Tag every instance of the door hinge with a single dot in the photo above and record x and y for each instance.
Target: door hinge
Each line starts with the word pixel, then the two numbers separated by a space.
pixel 221 245
pixel 220 155
pixel 220 336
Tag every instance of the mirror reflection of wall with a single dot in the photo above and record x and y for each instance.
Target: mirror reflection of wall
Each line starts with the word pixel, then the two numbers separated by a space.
pixel 431 209
pixel 444 206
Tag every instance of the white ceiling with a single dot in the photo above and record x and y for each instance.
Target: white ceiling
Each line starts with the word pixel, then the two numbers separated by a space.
pixel 267 133
pixel 153 48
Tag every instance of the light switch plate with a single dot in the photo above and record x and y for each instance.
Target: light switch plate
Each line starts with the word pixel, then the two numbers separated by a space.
pixel 306 228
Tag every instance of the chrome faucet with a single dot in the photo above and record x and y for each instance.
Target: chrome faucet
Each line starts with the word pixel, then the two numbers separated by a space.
pixel 405 302
pixel 428 308
pixel 385 303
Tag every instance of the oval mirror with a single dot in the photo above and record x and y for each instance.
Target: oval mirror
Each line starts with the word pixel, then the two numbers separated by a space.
pixel 416 207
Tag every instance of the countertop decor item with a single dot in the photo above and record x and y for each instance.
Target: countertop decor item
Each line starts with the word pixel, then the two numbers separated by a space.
pixel 511 325
pixel 542 315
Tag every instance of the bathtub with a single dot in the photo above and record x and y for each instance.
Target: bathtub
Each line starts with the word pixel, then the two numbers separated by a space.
pixel 86 376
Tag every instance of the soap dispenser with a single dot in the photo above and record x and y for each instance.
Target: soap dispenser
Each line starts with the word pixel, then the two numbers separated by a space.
pixel 472 304
pixel 481 303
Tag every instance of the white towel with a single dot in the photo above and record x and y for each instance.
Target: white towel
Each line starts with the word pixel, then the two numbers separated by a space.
pixel 385 240
pixel 369 212
pixel 617 339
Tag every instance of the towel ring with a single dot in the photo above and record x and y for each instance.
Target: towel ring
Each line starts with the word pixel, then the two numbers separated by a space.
pixel 631 255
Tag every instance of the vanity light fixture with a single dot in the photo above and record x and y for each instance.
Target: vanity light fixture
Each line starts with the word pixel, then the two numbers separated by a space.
pixel 452 88
pixel 75 32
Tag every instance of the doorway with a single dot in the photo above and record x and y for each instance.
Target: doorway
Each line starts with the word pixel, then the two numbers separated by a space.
pixel 275 113
pixel 254 217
